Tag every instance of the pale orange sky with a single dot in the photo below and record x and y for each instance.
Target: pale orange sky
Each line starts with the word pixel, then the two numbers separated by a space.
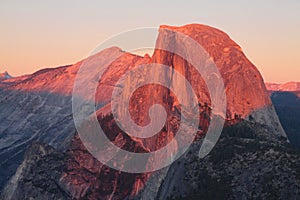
pixel 38 34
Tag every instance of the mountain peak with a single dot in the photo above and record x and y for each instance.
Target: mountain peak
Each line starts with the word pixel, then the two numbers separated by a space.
pixel 5 75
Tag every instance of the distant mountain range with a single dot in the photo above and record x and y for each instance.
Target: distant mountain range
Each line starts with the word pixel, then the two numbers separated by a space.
pixel 293 87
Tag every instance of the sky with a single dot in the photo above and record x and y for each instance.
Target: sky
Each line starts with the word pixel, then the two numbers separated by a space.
pixel 37 34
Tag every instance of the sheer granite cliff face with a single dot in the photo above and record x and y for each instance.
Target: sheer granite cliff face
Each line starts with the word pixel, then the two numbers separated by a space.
pixel 245 90
pixel 37 107
pixel 238 73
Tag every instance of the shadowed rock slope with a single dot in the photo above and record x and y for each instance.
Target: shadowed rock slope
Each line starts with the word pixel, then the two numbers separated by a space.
pixel 286 100
pixel 246 163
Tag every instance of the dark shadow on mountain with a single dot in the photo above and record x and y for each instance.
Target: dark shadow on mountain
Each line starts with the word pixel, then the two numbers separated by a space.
pixel 287 106
pixel 27 117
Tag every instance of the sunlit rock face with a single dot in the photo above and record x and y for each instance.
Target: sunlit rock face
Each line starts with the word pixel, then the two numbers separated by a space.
pixel 38 107
pixel 246 93
pixel 239 74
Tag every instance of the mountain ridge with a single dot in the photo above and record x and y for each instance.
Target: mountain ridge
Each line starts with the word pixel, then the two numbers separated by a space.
pixel 288 86
pixel 46 115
